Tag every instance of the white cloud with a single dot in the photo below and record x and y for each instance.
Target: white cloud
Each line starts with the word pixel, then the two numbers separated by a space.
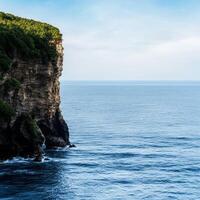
pixel 171 60
pixel 125 43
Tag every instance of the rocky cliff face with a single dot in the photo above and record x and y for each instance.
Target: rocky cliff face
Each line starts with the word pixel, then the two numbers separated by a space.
pixel 32 89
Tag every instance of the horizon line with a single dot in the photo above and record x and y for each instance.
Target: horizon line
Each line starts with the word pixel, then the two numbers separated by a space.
pixel 130 80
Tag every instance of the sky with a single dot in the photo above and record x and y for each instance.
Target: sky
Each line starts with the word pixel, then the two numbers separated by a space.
pixel 122 39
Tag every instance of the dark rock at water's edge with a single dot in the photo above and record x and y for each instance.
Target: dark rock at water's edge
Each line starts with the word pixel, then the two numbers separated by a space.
pixel 29 88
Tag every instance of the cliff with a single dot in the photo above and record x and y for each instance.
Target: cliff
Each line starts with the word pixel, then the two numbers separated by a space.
pixel 31 57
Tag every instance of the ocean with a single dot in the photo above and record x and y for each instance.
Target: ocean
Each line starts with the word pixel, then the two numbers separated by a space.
pixel 135 141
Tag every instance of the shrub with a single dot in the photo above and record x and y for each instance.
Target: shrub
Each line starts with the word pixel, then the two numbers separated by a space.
pixel 12 84
pixel 5 62
pixel 6 111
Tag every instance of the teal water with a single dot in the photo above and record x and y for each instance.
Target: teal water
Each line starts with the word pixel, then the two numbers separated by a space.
pixel 135 141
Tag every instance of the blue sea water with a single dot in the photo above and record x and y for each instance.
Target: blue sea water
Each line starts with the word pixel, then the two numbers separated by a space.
pixel 135 141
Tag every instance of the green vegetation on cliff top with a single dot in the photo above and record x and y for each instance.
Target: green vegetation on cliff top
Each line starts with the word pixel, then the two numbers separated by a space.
pixel 27 39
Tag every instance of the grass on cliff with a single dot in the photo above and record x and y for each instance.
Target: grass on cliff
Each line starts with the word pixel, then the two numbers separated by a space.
pixel 27 39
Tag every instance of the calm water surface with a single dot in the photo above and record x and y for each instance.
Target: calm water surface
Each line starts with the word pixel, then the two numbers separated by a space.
pixel 135 141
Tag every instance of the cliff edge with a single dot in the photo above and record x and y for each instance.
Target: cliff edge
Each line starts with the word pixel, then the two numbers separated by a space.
pixel 31 58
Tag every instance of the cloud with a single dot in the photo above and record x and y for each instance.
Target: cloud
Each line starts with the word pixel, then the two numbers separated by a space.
pixel 133 45
pixel 168 60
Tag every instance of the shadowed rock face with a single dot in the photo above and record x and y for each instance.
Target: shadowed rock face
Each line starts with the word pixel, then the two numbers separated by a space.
pixel 36 104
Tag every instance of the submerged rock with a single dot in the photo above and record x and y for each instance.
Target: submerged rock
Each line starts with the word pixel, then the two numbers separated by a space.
pixel 30 92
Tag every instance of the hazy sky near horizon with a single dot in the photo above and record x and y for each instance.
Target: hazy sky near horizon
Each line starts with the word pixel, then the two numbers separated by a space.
pixel 122 39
